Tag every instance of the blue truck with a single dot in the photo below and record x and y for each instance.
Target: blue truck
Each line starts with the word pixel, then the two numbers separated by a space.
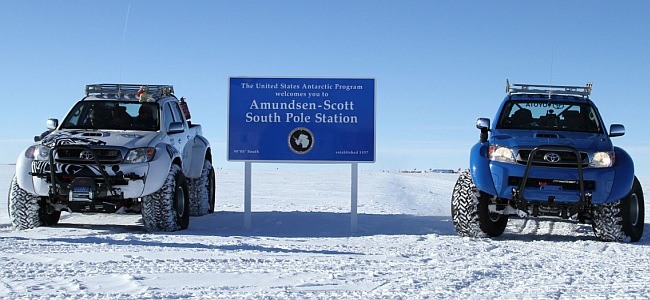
pixel 548 154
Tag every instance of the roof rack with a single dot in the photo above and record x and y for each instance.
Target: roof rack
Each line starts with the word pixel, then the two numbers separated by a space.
pixel 128 91
pixel 583 91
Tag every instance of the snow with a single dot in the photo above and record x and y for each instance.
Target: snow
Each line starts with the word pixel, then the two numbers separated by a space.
pixel 300 247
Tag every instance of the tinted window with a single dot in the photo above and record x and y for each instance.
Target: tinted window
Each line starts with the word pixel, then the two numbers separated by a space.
pixel 536 115
pixel 178 115
pixel 113 115
pixel 168 114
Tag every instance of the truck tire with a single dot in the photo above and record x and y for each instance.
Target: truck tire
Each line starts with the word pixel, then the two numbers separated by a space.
pixel 168 209
pixel 623 220
pixel 28 211
pixel 470 213
pixel 202 191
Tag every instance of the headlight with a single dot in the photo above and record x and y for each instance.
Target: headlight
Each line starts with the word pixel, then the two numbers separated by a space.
pixel 40 152
pixel 139 155
pixel 603 160
pixel 502 154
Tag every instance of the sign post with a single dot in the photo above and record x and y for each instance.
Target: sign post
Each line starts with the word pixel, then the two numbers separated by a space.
pixel 247 194
pixel 354 192
pixel 301 120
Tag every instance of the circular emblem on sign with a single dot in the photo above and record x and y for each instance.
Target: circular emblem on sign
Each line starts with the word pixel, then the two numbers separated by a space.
pixel 86 155
pixel 552 157
pixel 301 140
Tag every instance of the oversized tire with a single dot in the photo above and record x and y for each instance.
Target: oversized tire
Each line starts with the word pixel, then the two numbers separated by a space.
pixel 202 191
pixel 623 220
pixel 28 211
pixel 470 212
pixel 168 209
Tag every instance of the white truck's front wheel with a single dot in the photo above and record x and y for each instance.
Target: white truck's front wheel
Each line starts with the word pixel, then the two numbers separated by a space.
pixel 168 209
pixel 28 211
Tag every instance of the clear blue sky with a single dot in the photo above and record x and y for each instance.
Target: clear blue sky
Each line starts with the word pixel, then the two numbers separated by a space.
pixel 438 65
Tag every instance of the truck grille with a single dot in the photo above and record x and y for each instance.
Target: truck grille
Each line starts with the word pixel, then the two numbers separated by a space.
pixel 83 156
pixel 553 158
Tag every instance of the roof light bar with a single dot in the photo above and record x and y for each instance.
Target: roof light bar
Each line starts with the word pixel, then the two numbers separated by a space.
pixel 583 91
pixel 128 91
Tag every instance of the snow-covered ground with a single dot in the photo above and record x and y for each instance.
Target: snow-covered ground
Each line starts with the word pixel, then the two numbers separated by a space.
pixel 300 247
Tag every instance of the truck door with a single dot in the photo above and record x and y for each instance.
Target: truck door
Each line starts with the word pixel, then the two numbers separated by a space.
pixel 188 138
pixel 178 140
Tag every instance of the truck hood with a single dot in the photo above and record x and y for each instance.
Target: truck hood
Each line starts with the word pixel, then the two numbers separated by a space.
pixel 131 139
pixel 583 141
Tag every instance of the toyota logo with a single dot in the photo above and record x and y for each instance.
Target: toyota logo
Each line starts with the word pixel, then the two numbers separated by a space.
pixel 552 157
pixel 86 155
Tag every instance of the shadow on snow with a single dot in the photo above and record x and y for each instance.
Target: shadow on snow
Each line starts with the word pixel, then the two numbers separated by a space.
pixel 312 225
pixel 318 224
pixel 264 224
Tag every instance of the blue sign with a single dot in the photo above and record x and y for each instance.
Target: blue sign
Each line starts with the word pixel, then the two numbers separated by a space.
pixel 301 119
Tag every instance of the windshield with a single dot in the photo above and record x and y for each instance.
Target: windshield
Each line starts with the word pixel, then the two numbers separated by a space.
pixel 536 115
pixel 113 115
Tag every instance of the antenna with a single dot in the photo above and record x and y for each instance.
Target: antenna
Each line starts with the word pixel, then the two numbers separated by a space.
pixel 126 22
pixel 553 30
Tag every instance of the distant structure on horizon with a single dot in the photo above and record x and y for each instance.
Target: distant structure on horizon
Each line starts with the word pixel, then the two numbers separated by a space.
pixel 440 171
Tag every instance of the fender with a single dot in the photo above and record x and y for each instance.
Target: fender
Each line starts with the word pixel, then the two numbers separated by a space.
pixel 624 175
pixel 480 168
pixel 23 171
pixel 199 150
pixel 159 168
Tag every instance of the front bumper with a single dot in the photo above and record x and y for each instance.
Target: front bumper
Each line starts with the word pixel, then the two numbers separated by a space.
pixel 86 181
pixel 548 184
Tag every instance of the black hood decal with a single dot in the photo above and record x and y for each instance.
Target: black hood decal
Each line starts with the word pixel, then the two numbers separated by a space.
pixel 71 137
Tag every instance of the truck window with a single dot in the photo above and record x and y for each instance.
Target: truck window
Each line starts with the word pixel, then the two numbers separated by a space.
pixel 178 115
pixel 146 118
pixel 536 115
pixel 112 115
pixel 168 115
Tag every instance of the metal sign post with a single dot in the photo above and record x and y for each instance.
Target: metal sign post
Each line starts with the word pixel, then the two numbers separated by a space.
pixel 354 192
pixel 247 194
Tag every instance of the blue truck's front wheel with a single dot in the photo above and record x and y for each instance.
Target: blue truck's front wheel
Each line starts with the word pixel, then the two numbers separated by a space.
pixel 622 220
pixel 470 212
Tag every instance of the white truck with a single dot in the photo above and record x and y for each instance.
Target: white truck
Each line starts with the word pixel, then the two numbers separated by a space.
pixel 123 147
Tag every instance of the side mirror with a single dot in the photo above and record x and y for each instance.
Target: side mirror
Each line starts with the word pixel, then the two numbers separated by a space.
pixel 616 130
pixel 484 125
pixel 52 124
pixel 175 127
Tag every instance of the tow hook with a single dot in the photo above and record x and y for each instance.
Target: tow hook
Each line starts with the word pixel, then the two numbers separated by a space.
pixel 518 202
pixel 587 203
